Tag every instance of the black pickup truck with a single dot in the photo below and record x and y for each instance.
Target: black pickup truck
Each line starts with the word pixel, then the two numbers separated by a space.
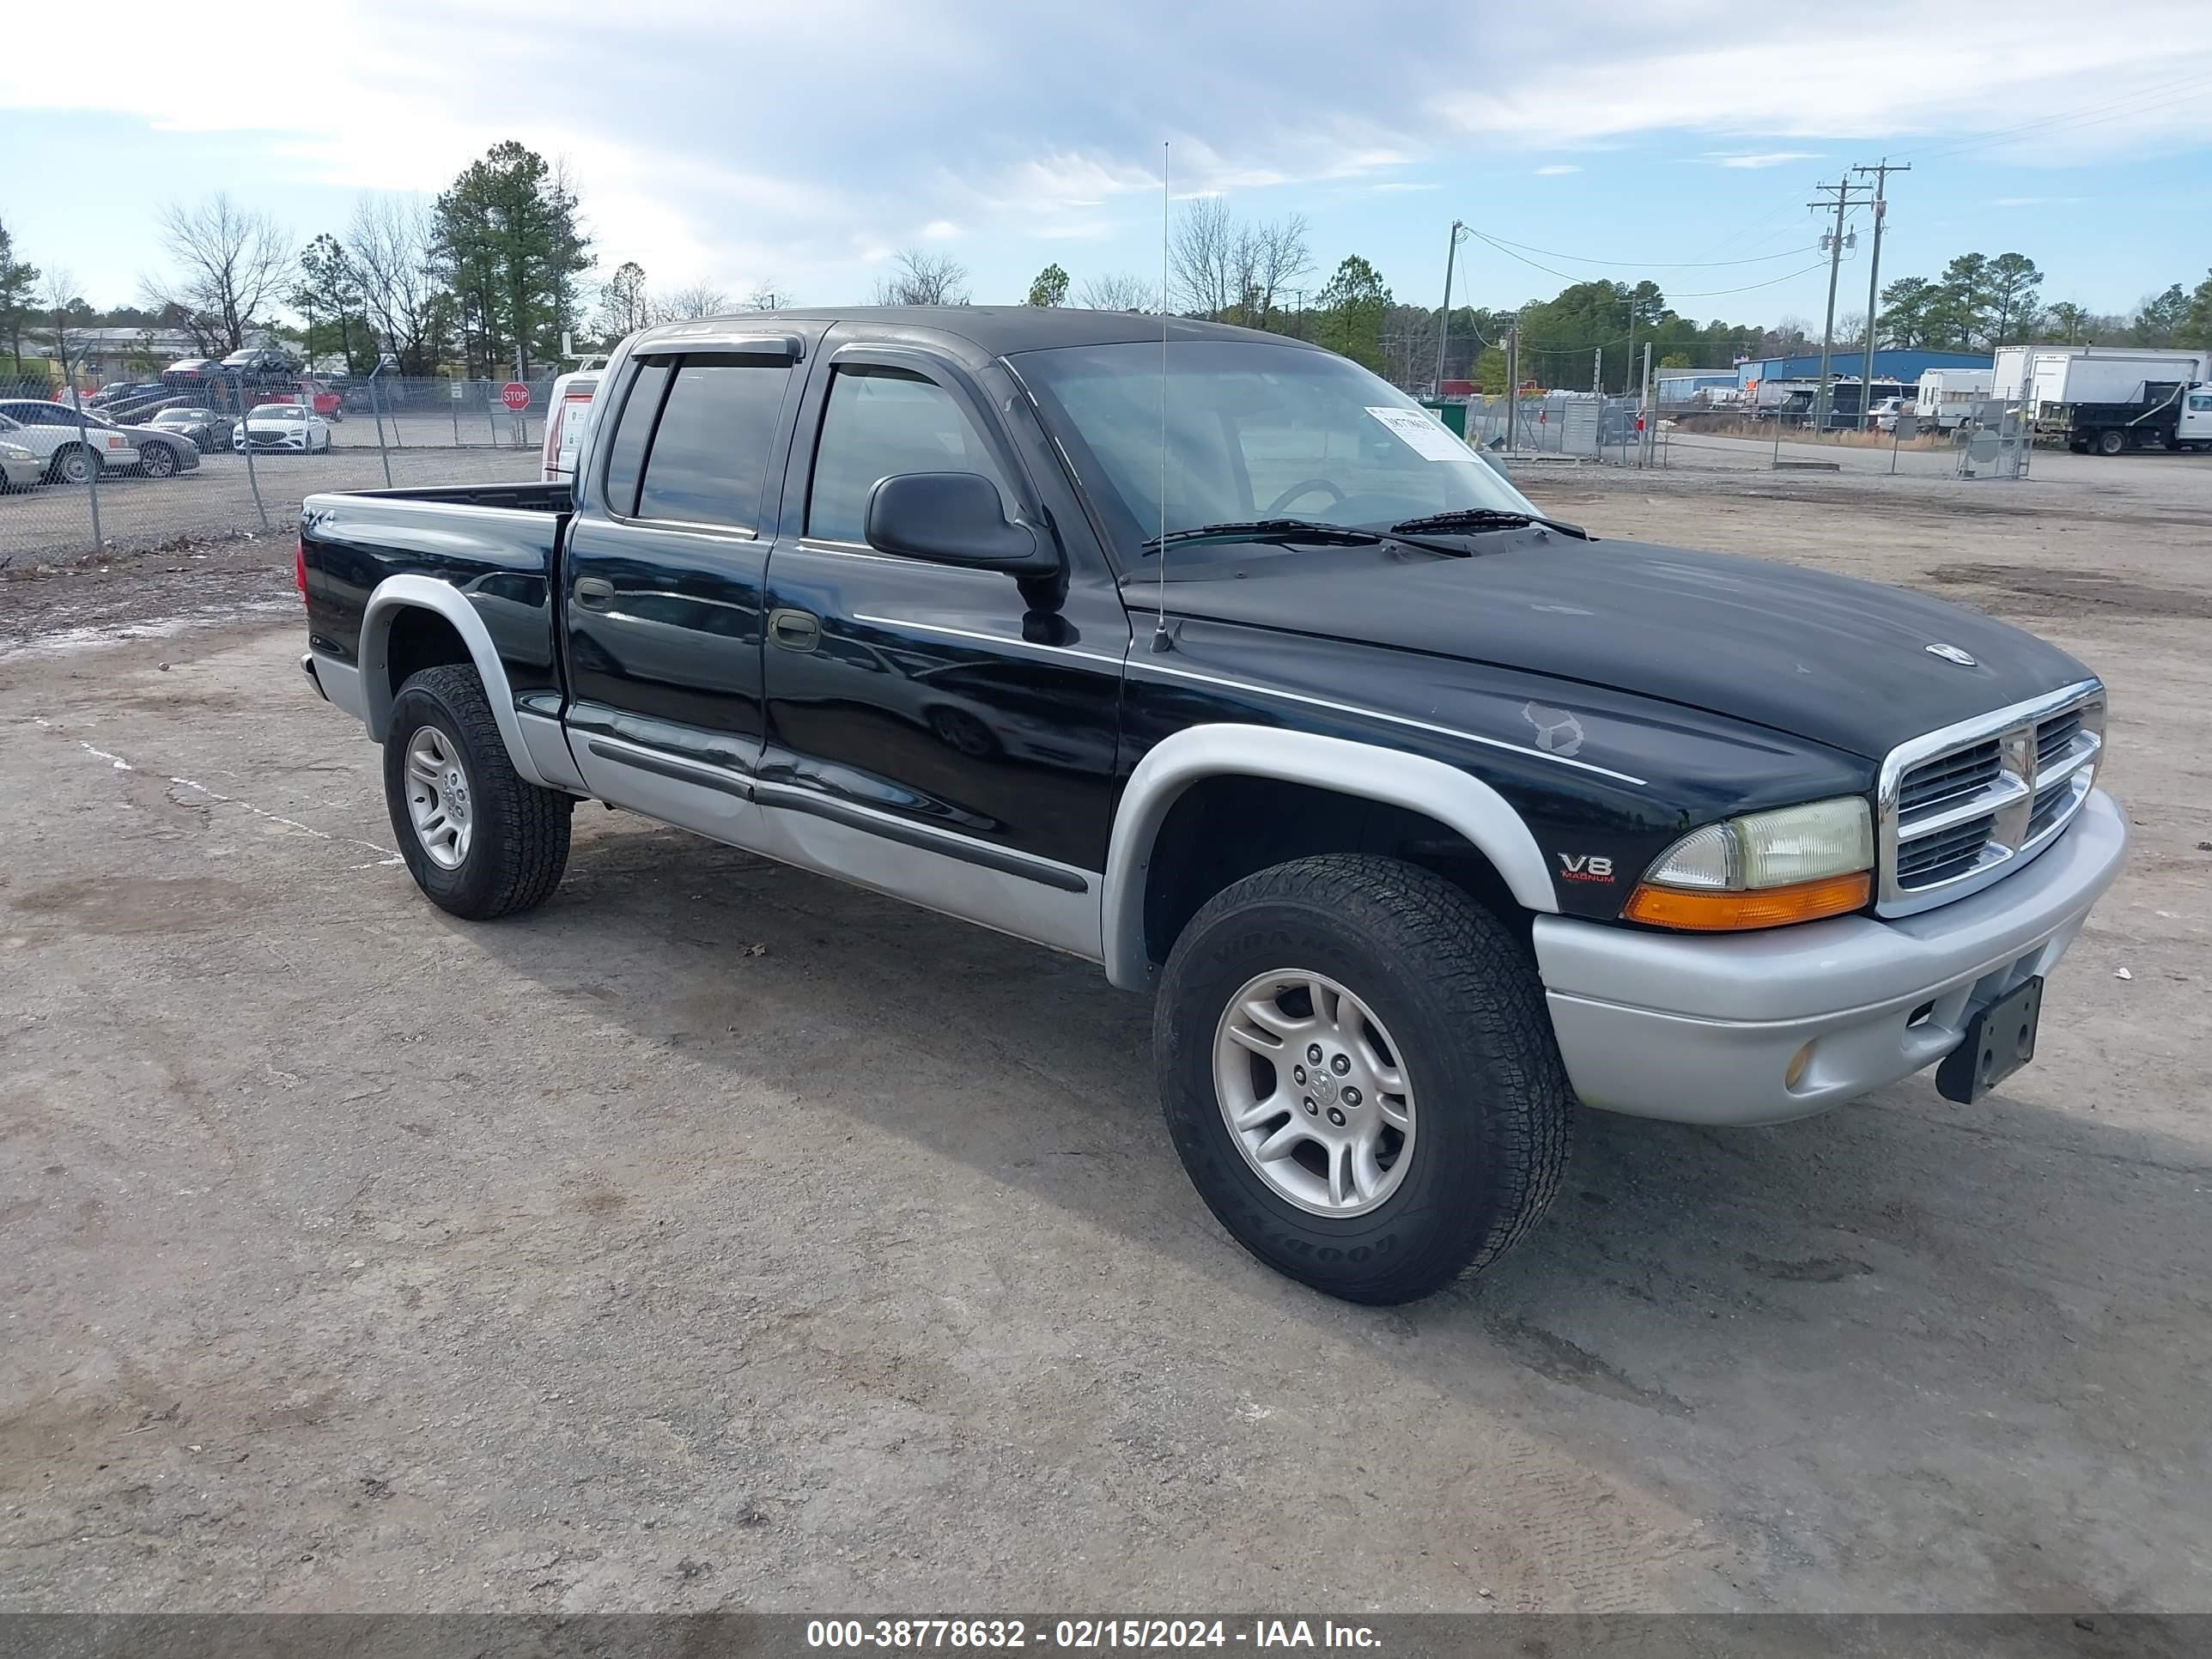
pixel 1219 662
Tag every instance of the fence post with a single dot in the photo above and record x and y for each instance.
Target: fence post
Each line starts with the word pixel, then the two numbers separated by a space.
pixel 453 401
pixel 252 479
pixel 376 405
pixel 92 470
pixel 1645 419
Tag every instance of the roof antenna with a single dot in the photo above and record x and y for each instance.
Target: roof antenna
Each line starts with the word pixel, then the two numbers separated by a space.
pixel 1161 640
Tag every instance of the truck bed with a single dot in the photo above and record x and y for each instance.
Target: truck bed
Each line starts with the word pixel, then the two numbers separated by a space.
pixel 494 545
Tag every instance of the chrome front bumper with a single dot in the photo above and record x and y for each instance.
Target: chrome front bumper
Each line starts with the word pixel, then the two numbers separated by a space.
pixel 1704 1029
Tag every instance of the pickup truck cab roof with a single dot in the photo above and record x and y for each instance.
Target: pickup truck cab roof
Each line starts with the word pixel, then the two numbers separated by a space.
pixel 1421 815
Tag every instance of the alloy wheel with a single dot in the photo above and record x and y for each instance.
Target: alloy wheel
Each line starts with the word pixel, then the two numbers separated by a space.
pixel 1315 1092
pixel 438 797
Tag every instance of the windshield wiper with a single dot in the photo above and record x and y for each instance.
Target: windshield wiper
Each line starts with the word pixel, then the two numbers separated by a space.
pixel 1279 530
pixel 1300 530
pixel 1488 517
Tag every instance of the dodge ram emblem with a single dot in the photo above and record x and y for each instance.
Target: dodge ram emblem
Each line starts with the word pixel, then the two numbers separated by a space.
pixel 1952 653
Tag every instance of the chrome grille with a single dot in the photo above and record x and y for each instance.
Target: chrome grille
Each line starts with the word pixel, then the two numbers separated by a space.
pixel 1948 853
pixel 1960 806
pixel 1949 778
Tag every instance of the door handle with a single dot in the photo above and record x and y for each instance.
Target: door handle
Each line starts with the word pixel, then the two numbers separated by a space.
pixel 794 630
pixel 593 592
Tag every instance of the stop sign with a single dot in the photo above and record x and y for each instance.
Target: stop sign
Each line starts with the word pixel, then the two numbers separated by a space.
pixel 515 396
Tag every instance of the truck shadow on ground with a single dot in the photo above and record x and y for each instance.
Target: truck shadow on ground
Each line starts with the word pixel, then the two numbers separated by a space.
pixel 1710 1277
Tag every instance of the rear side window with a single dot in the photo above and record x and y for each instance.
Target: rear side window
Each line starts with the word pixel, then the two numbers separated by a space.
pixel 880 422
pixel 709 454
pixel 633 432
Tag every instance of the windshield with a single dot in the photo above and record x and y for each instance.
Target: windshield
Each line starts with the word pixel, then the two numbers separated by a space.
pixel 1254 431
pixel 181 416
pixel 279 412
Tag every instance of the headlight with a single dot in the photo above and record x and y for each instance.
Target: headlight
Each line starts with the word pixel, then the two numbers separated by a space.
pixel 17 452
pixel 1763 871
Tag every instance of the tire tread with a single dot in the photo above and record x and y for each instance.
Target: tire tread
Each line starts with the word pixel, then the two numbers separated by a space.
pixel 531 824
pixel 1483 968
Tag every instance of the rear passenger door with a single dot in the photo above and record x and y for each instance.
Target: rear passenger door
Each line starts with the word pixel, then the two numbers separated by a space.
pixel 663 572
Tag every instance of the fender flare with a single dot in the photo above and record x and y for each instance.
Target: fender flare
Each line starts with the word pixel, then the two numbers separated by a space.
pixel 1368 771
pixel 396 593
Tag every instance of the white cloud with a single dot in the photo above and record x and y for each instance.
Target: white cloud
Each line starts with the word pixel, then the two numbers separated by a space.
pixel 1013 124
pixel 1765 158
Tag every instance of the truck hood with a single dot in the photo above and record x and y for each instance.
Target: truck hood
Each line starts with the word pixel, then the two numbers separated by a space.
pixel 1844 663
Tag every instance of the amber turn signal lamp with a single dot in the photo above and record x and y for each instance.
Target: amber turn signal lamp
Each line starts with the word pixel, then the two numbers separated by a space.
pixel 1725 911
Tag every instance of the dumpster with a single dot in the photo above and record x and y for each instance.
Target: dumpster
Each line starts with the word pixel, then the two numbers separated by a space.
pixel 1453 414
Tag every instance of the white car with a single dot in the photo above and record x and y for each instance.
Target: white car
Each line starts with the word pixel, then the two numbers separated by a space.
pixel 1885 413
pixel 20 468
pixel 282 427
pixel 70 450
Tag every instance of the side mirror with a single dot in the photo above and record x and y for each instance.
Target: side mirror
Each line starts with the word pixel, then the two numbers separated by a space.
pixel 953 518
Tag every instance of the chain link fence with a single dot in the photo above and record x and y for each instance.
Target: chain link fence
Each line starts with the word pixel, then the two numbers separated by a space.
pixel 129 466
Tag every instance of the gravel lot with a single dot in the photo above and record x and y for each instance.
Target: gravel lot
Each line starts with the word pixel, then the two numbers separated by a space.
pixel 718 1236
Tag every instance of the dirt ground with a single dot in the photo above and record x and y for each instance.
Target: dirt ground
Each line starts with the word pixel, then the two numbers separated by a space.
pixel 717 1236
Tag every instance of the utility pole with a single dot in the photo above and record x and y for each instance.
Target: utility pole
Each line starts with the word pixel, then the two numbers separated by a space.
pixel 1873 277
pixel 1460 232
pixel 1835 241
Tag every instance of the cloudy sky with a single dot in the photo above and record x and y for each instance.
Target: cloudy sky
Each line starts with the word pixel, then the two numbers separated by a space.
pixel 800 144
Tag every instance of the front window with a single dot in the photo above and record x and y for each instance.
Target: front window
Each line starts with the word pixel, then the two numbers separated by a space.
pixel 279 412
pixel 1253 431
pixel 880 421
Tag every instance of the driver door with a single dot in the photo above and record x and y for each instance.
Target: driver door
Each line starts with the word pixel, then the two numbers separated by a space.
pixel 945 733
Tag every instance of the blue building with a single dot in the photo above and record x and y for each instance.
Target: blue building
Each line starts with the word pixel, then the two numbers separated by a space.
pixel 1890 363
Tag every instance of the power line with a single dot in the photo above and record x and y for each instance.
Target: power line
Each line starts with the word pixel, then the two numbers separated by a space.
pixel 1714 293
pixel 2179 90
pixel 1646 264
pixel 1703 294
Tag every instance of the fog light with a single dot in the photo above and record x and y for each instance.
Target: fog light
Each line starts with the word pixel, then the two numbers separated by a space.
pixel 1798 1062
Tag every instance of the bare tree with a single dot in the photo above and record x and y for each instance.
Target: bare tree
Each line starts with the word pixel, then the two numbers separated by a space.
pixel 768 296
pixel 58 300
pixel 624 306
pixel 1117 291
pixel 1271 255
pixel 924 279
pixel 689 304
pixel 232 264
pixel 1202 253
pixel 1231 270
pixel 393 243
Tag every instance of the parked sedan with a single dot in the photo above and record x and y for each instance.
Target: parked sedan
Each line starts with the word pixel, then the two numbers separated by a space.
pixel 70 447
pixel 20 468
pixel 282 427
pixel 205 427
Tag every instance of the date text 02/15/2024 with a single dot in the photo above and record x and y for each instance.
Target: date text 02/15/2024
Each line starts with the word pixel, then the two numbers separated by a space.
pixel 1085 1635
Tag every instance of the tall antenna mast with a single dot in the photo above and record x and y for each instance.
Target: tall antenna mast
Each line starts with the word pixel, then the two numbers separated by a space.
pixel 1161 641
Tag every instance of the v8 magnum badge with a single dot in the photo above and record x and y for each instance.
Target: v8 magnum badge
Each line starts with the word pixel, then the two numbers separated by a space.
pixel 1584 867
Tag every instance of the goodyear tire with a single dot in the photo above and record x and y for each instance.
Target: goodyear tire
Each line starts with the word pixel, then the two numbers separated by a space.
pixel 1410 1123
pixel 479 840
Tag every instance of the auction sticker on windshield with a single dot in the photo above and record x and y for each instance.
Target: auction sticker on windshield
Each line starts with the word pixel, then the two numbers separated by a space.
pixel 1428 438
